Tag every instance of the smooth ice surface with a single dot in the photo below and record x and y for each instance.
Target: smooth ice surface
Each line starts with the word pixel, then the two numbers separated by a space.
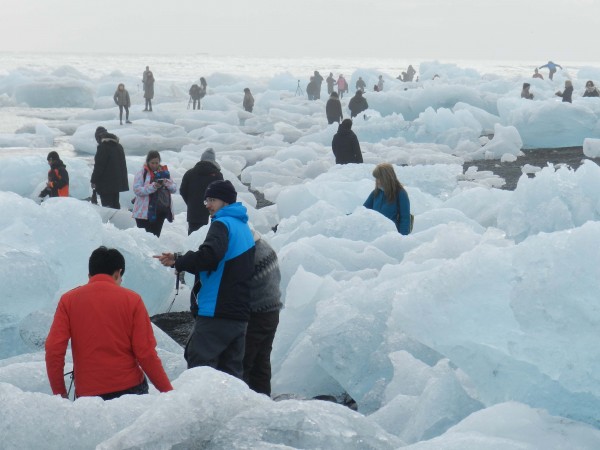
pixel 478 330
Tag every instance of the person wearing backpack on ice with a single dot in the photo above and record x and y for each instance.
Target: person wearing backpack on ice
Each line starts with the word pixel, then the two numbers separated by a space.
pixel 195 96
pixel 153 187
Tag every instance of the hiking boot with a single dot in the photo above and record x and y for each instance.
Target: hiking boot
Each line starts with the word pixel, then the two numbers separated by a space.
pixel 127 121
pixel 121 122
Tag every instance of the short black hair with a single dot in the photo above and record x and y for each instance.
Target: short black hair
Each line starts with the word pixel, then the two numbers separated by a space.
pixel 105 260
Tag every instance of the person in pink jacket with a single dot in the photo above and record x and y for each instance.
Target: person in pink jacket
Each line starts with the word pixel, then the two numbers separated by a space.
pixel 153 187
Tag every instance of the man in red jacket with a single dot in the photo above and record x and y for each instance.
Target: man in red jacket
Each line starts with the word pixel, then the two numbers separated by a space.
pixel 112 341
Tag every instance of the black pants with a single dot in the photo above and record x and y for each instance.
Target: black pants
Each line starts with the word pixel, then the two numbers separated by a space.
pixel 121 113
pixel 152 227
pixel 217 343
pixel 259 343
pixel 148 105
pixel 140 389
pixel 194 103
pixel 110 200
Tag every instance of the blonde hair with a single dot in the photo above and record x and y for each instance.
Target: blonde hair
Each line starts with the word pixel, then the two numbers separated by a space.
pixel 388 182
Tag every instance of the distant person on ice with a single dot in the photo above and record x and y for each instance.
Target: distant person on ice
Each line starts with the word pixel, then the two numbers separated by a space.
pixel 194 96
pixel 380 84
pixel 525 92
pixel 360 84
pixel 148 89
pixel 567 94
pixel 345 145
pixel 537 74
pixel 333 109
pixel 248 102
pixel 109 176
pixel 330 83
pixel 58 178
pixel 312 89
pixel 551 68
pixel 112 341
pixel 591 90
pixel 318 78
pixel 123 101
pixel 357 104
pixel 342 85
pixel 390 198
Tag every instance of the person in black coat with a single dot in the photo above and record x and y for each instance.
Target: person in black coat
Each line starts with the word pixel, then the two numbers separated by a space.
pixel 567 94
pixel 194 184
pixel 345 145
pixel 109 176
pixel 333 109
pixel 357 104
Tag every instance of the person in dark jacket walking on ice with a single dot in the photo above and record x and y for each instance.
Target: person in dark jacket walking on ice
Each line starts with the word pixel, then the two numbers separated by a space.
pixel 333 109
pixel 193 186
pixel 345 145
pixel 357 104
pixel 109 176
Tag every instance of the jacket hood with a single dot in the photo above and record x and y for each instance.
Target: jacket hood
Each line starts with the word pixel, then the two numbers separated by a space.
pixel 235 210
pixel 206 167
pixel 107 137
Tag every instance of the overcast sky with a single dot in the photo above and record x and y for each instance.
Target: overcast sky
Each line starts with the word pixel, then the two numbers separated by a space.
pixel 534 30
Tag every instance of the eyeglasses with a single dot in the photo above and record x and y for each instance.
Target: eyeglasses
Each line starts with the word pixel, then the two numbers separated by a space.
pixel 210 200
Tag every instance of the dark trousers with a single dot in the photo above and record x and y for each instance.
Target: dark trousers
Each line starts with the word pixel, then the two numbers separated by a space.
pixel 194 226
pixel 140 389
pixel 217 343
pixel 110 200
pixel 121 113
pixel 194 103
pixel 154 227
pixel 259 343
pixel 148 105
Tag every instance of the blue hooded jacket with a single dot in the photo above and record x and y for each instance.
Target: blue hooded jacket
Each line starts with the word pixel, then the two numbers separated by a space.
pixel 225 264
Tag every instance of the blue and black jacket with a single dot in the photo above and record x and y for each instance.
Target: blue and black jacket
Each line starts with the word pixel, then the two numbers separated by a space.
pixel 225 264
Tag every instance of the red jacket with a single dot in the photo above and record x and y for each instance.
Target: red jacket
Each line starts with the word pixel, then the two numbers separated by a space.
pixel 111 340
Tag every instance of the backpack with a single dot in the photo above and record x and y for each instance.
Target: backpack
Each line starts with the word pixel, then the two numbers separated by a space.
pixel 202 91
pixel 195 91
pixel 162 199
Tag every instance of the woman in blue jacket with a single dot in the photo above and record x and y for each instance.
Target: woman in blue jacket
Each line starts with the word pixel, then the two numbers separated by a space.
pixel 390 198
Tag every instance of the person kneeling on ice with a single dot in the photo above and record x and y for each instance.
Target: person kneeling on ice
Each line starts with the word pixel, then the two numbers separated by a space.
pixel 58 178
pixel 224 265
pixel 111 336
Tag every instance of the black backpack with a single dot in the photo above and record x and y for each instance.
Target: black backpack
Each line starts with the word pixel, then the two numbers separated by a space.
pixel 163 201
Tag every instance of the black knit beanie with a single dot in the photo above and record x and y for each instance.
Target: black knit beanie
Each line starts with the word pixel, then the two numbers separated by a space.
pixel 223 190
pixel 100 131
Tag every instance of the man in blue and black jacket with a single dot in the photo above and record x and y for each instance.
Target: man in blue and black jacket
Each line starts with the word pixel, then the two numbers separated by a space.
pixel 225 265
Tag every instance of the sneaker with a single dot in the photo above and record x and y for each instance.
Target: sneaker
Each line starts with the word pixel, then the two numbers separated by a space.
pixel 127 121
pixel 121 123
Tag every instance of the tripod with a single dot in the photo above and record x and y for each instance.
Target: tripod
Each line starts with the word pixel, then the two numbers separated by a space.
pixel 299 90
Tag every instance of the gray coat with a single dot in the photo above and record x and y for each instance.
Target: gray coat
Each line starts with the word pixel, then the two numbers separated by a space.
pixel 121 98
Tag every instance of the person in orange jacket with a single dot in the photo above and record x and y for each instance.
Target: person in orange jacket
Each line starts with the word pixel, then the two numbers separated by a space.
pixel 58 177
pixel 112 341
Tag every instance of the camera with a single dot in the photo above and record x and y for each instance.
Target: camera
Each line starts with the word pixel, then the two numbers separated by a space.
pixel 45 192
